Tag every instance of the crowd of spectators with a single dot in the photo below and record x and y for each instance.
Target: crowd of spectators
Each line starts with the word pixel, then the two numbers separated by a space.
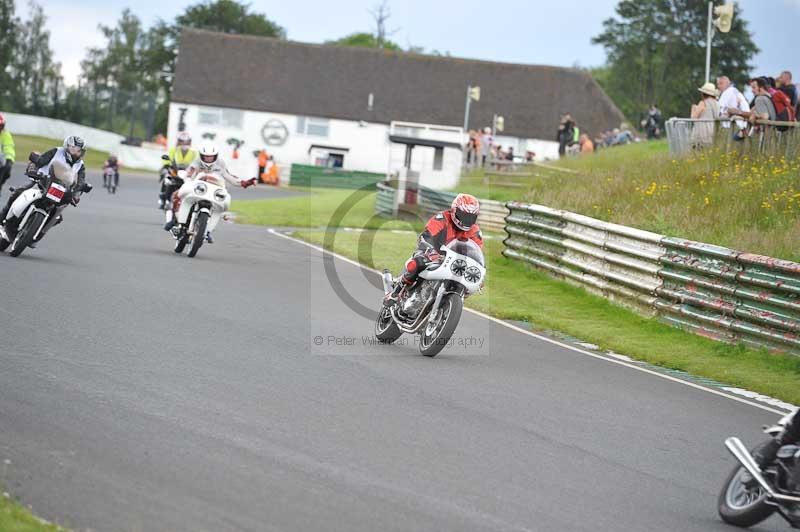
pixel 774 99
pixel 482 150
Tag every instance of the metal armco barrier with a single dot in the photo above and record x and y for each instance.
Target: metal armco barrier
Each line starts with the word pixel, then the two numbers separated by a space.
pixel 709 290
pixel 384 200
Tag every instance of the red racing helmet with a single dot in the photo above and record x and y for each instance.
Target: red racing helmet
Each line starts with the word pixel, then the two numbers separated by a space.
pixel 465 210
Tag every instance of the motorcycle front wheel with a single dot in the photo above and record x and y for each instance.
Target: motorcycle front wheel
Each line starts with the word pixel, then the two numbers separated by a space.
pixel 25 235
pixel 437 334
pixel 386 330
pixel 199 233
pixel 739 504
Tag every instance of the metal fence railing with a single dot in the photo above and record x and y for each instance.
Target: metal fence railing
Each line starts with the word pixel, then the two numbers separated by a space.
pixel 712 291
pixel 384 200
pixel 770 137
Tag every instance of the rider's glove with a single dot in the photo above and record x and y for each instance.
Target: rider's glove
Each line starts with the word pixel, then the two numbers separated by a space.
pixel 31 169
pixel 250 182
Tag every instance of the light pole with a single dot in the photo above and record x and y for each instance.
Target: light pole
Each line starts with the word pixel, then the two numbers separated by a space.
pixel 723 23
pixel 473 93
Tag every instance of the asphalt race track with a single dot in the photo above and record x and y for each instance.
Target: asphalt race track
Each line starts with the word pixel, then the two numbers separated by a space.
pixel 145 391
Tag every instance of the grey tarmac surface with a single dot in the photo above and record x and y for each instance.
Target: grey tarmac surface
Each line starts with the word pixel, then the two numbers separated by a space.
pixel 145 391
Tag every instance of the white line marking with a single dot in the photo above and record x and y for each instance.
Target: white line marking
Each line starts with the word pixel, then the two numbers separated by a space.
pixel 562 344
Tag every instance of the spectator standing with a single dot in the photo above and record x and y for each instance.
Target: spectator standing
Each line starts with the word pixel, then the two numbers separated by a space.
pixel 7 152
pixel 652 122
pixel 510 153
pixel 587 146
pixel 730 98
pixel 565 134
pixel 785 84
pixel 487 143
pixel 706 110
pixel 263 157
pixel 763 108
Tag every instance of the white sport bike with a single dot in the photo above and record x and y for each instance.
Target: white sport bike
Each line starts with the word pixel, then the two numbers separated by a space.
pixel 432 306
pixel 39 208
pixel 205 200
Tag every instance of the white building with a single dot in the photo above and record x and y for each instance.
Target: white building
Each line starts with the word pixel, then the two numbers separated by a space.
pixel 363 109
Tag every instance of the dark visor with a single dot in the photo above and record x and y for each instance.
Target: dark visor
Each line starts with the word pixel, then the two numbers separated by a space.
pixel 208 158
pixel 466 219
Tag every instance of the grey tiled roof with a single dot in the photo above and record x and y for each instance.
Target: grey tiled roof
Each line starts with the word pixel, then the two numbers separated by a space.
pixel 279 76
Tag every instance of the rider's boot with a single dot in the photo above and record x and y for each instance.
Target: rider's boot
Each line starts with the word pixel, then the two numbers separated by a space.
pixel 392 297
pixel 209 238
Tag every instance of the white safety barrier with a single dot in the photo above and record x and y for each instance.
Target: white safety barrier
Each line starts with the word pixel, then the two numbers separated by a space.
pixel 39 126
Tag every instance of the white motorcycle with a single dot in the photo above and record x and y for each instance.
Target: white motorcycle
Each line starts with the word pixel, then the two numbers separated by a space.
pixel 205 200
pixel 432 306
pixel 39 208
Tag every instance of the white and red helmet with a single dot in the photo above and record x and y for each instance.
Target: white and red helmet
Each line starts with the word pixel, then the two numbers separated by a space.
pixel 465 210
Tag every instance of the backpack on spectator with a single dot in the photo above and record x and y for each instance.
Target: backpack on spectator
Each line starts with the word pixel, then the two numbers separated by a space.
pixel 784 112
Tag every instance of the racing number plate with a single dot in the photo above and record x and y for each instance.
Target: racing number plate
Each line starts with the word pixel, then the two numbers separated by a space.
pixel 56 192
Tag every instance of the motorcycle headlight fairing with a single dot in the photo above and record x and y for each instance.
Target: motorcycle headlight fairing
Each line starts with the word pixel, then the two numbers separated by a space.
pixel 220 194
pixel 200 188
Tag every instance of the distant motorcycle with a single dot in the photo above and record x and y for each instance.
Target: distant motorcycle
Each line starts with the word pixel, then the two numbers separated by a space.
pixel 432 306
pixel 205 200
pixel 750 495
pixel 110 180
pixel 172 178
pixel 39 208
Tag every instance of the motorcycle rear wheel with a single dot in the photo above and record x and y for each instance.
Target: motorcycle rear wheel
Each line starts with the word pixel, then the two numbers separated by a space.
pixel 431 345
pixel 386 330
pixel 25 235
pixel 739 505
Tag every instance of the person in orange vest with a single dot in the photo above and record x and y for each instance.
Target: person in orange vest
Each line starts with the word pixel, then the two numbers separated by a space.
pixel 272 176
pixel 263 157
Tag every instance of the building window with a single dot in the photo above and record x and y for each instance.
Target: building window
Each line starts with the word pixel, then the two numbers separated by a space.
pixel 438 158
pixel 215 116
pixel 316 127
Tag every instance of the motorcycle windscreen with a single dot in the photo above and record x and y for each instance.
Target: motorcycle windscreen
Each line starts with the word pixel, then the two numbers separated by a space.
pixel 467 248
pixel 63 173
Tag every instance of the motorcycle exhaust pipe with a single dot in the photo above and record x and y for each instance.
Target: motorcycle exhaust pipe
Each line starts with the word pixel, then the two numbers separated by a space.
pixel 740 452
pixel 388 282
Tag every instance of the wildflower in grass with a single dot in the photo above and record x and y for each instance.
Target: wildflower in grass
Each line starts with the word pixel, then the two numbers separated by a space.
pixel 707 201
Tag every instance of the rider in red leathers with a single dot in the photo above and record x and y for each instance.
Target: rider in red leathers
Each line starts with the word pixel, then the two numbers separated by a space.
pixel 458 222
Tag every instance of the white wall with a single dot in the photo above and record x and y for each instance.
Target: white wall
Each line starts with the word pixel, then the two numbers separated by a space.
pixel 130 156
pixel 367 142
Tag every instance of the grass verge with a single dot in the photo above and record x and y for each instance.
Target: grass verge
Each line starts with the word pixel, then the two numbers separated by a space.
pixel 517 292
pixel 15 518
pixel 317 208
pixel 729 198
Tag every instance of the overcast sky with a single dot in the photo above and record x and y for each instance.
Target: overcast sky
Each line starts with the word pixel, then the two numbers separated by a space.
pixel 520 31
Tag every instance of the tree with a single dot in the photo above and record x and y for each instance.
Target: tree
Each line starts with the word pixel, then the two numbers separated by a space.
pixel 381 14
pixel 8 29
pixel 229 16
pixel 33 75
pixel 364 40
pixel 656 54
pixel 119 62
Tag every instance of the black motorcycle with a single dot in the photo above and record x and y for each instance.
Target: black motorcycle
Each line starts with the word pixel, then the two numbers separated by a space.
pixel 39 208
pixel 172 178
pixel 750 495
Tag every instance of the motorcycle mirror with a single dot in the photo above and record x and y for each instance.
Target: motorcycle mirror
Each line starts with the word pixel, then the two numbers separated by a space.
pixel 165 157
pixel 87 187
pixel 33 157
